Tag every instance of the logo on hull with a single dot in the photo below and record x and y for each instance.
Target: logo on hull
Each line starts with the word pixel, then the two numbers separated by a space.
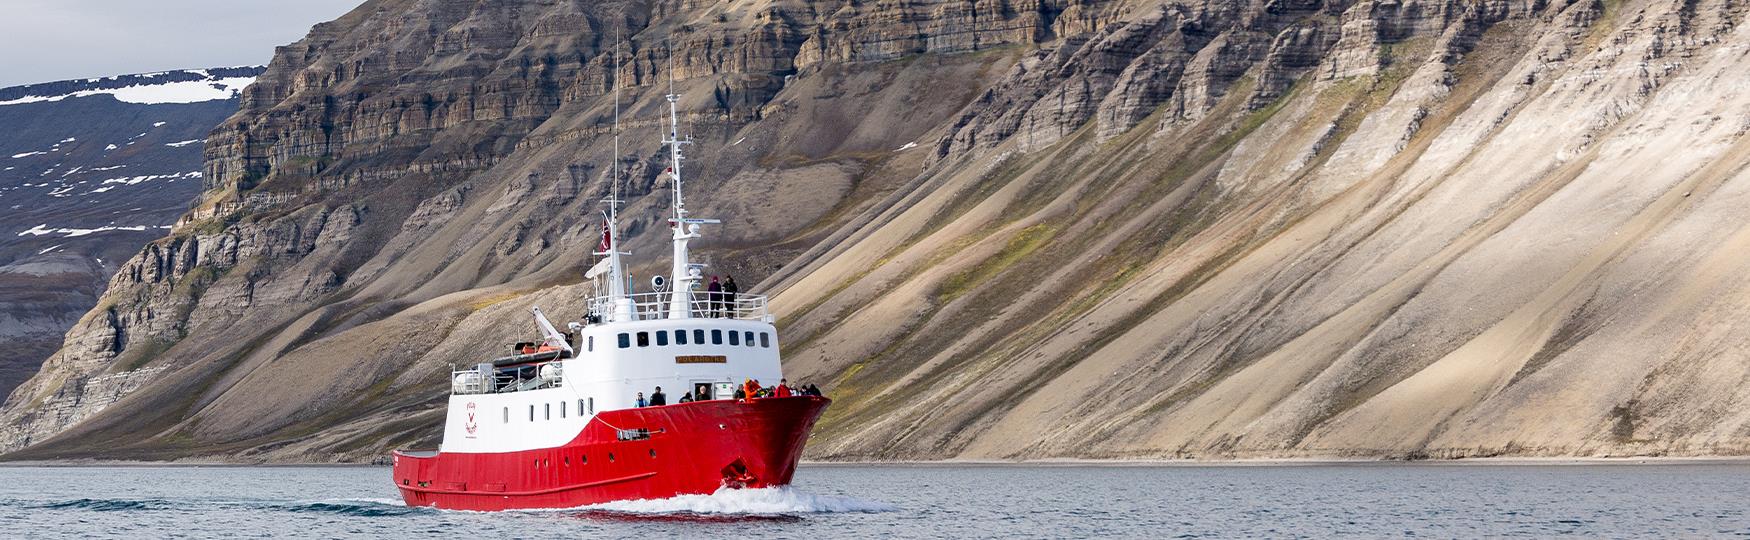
pixel 471 426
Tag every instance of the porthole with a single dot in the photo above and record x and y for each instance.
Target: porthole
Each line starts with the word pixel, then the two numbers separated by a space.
pixel 653 453
pixel 610 456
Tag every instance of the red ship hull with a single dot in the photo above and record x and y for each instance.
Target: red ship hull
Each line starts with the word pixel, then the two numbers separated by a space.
pixel 691 448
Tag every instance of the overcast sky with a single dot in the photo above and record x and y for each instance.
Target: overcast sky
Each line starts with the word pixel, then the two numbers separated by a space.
pixel 53 40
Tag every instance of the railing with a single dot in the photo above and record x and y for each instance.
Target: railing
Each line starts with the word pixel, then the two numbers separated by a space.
pixel 488 379
pixel 656 305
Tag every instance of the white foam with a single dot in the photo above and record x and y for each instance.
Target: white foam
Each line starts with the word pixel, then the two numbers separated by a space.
pixel 764 501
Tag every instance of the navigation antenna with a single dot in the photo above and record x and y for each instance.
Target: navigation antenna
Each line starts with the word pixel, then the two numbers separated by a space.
pixel 685 274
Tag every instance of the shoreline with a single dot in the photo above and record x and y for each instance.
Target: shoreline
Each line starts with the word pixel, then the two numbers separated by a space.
pixel 1055 462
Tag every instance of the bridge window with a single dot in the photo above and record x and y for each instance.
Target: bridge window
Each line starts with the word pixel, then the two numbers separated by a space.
pixel 698 337
pixel 507 415
pixel 592 344
pixel 662 338
pixel 549 410
pixel 625 340
pixel 716 337
pixel 562 406
pixel 749 337
pixel 734 337
pixel 592 405
pixel 765 340
pixel 644 339
pixel 680 337
pixel 531 413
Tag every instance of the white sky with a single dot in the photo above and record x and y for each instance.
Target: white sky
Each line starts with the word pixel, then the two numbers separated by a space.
pixel 53 40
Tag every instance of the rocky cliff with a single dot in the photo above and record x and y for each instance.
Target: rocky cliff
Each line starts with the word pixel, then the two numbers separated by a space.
pixel 993 229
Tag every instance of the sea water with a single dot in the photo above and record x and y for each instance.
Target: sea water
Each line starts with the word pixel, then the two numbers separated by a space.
pixel 926 501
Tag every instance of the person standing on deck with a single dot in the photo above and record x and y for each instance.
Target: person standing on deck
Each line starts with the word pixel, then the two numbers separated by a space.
pixel 658 398
pixel 729 290
pixel 640 402
pixel 714 297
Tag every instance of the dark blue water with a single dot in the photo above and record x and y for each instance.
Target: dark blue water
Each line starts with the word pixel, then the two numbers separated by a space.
pixel 1313 501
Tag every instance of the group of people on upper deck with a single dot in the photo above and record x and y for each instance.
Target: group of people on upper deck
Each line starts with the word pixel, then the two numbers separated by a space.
pixel 721 296
pixel 750 389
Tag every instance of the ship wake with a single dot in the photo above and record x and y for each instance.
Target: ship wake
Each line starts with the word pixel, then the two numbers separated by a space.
pixel 775 501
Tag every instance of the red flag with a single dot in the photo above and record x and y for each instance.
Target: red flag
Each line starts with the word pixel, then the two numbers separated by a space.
pixel 607 239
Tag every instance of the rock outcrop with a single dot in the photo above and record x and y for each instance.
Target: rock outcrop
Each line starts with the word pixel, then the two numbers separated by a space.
pixel 992 229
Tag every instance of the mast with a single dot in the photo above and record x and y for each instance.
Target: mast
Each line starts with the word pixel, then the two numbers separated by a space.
pixel 623 306
pixel 684 274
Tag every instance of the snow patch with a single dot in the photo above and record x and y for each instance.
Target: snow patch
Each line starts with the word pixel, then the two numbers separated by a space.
pixel 51 248
pixel 27 154
pixel 44 230
pixel 209 89
pixel 66 140
pixel 908 146
pixel 157 124
pixel 110 147
pixel 180 144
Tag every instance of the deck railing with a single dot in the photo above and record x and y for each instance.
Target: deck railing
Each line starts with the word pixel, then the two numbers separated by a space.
pixel 488 379
pixel 656 305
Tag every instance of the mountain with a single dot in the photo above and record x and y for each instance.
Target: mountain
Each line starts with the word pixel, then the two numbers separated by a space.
pixel 991 229
pixel 90 171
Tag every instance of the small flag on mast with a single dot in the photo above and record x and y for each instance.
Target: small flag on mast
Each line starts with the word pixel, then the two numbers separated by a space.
pixel 607 239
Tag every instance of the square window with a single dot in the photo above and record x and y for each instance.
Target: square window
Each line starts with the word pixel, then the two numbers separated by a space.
pixel 765 340
pixel 698 337
pixel 716 337
pixel 748 337
pixel 625 340
pixel 734 337
pixel 680 337
pixel 644 339
pixel 662 338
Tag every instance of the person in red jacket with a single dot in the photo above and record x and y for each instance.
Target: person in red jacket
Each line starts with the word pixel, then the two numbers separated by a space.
pixel 783 389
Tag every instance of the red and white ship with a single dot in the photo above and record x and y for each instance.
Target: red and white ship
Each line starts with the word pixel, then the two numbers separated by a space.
pixel 557 426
